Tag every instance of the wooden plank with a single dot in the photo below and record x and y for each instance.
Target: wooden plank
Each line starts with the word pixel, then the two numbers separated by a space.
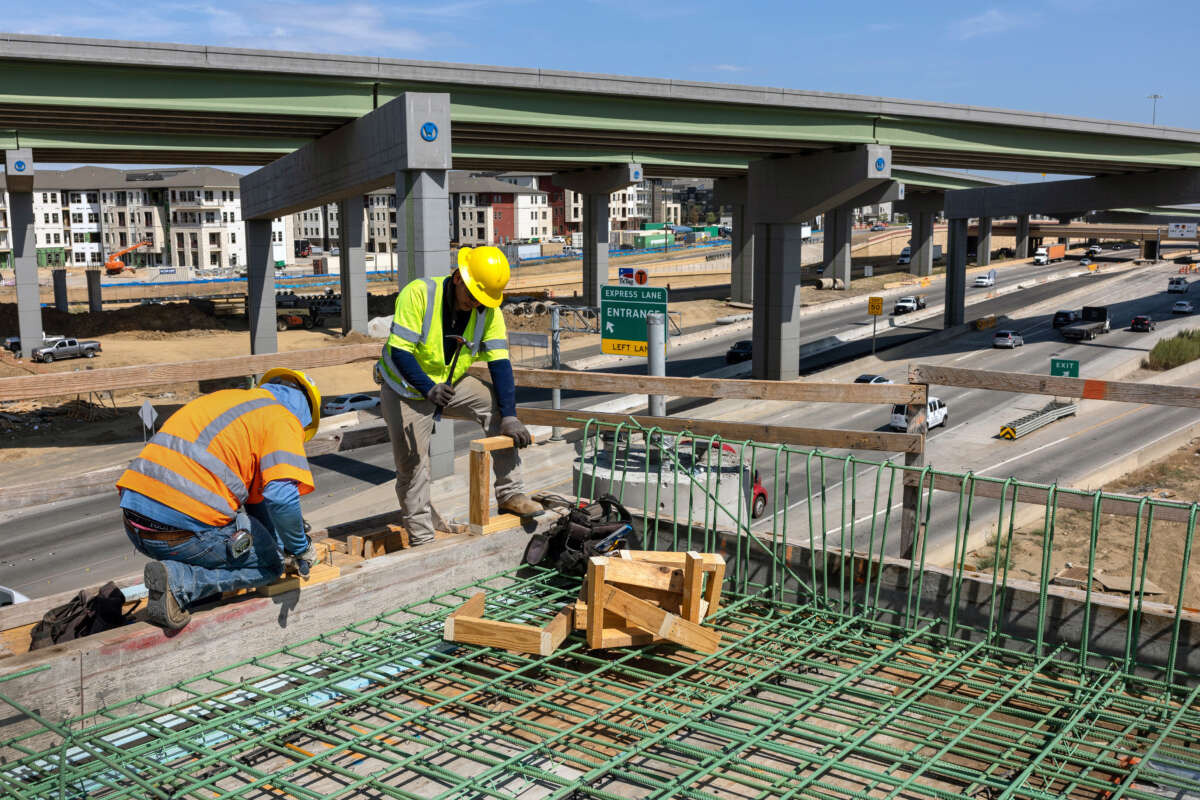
pixel 25 387
pixel 693 586
pixel 673 558
pixel 479 472
pixel 650 576
pixel 596 571
pixel 354 545
pixel 1027 383
pixel 1121 505
pixel 724 388
pixel 504 522
pixel 494 633
pixel 826 438
pixel 555 632
pixel 473 607
pixel 320 573
pixel 624 636
pixel 712 593
pixel 653 619
pixel 490 443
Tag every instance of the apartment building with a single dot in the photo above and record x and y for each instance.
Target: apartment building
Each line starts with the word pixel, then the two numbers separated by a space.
pixel 485 210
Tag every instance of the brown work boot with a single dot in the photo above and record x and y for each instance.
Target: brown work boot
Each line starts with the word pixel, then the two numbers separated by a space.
pixel 162 608
pixel 521 505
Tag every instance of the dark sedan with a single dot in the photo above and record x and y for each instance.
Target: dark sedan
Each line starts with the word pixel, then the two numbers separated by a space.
pixel 1142 322
pixel 741 351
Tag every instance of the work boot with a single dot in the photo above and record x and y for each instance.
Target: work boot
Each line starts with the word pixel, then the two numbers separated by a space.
pixel 162 608
pixel 521 505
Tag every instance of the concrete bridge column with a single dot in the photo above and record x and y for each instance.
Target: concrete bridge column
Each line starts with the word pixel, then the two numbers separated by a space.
pixel 1151 250
pixel 353 271
pixel 19 182
pixel 983 247
pixel 1022 247
pixel 94 290
pixel 782 194
pixel 956 273
pixel 60 289
pixel 260 287
pixel 732 192
pixel 423 251
pixel 325 238
pixel 839 227
pixel 921 252
pixel 595 245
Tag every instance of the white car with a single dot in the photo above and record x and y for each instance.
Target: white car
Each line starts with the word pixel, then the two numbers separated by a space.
pixel 10 597
pixel 341 403
pixel 985 280
pixel 869 378
pixel 1181 307
pixel 1095 250
pixel 935 414
pixel 1085 262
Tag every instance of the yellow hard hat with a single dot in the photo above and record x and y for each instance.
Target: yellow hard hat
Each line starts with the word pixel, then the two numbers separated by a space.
pixel 304 383
pixel 485 272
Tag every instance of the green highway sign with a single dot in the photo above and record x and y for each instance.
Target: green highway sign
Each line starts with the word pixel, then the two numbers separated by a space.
pixel 1064 368
pixel 623 311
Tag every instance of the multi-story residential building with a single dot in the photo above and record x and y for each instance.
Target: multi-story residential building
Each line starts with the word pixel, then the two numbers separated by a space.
pixel 485 210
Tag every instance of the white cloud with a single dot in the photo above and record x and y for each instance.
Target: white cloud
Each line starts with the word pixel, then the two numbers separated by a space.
pixel 989 22
pixel 729 68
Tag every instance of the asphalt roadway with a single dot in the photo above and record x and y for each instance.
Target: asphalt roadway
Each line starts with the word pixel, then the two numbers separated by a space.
pixel 80 542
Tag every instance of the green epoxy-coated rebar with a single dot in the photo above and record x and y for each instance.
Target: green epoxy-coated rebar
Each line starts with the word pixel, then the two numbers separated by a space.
pixel 845 677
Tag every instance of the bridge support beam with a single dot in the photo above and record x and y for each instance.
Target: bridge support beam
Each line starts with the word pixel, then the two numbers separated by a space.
pixel 260 287
pixel 839 228
pixel 956 273
pixel 94 290
pixel 921 252
pixel 19 181
pixel 596 185
pixel 732 192
pixel 983 246
pixel 1022 248
pixel 782 194
pixel 60 289
pixel 352 273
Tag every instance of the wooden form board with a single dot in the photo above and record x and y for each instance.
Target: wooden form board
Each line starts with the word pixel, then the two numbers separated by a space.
pixel 25 387
pixel 1027 383
pixel 830 439
pixel 479 473
pixel 467 626
pixel 723 388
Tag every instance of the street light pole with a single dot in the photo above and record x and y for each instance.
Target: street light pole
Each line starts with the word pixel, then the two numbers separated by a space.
pixel 1154 107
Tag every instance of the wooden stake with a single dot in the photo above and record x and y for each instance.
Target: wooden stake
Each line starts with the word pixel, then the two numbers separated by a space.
pixel 693 585
pixel 479 472
pixel 597 567
pixel 653 619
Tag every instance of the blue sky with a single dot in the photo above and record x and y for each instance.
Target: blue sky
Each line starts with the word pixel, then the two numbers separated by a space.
pixel 1093 58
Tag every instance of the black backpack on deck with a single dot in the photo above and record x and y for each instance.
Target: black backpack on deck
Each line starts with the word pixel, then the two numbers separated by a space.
pixel 597 528
pixel 83 616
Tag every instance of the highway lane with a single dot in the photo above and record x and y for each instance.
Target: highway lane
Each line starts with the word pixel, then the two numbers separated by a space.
pixel 81 542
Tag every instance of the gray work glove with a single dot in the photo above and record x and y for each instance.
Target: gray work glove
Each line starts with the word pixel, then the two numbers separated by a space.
pixel 441 395
pixel 301 563
pixel 511 426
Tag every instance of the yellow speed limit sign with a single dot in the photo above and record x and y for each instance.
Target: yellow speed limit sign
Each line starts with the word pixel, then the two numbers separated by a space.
pixel 875 306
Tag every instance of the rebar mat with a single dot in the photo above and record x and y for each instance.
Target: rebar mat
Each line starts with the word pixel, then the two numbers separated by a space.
pixel 800 701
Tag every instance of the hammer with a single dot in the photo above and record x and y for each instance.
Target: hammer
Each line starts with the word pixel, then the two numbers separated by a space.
pixel 460 341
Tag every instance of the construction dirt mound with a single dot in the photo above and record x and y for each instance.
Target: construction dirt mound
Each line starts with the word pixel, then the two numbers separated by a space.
pixel 156 318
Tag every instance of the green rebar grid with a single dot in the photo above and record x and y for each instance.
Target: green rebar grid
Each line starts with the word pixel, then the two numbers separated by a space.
pixel 834 679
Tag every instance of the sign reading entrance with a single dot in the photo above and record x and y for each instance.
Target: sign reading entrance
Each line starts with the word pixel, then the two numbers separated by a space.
pixel 1064 368
pixel 623 311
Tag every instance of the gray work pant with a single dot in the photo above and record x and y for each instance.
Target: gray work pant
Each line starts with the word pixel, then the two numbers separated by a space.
pixel 410 425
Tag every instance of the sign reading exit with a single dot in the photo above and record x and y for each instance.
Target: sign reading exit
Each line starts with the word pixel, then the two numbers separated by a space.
pixel 1064 368
pixel 623 311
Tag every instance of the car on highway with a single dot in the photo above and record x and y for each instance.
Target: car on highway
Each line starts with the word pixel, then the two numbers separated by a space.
pixel 1142 322
pixel 1064 317
pixel 908 304
pixel 869 378
pixel 758 494
pixel 1085 262
pixel 936 413
pixel 1177 285
pixel 879 227
pixel 985 280
pixel 1095 250
pixel 740 351
pixel 1009 339
pixel 10 597
pixel 1181 307
pixel 341 403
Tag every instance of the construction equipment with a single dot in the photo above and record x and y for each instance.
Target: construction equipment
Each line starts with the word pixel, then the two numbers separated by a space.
pixel 115 266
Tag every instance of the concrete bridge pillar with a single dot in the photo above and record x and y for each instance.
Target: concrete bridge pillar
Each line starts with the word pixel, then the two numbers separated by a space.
pixel 839 227
pixel 94 290
pixel 956 273
pixel 1022 247
pixel 60 289
pixel 732 192
pixel 595 245
pixel 353 271
pixel 921 252
pixel 19 182
pixel 782 194
pixel 983 247
pixel 260 287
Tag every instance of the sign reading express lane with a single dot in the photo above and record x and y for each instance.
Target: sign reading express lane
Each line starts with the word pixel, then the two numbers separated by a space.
pixel 623 311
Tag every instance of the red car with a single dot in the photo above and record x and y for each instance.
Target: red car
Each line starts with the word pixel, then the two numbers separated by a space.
pixel 758 501
pixel 1142 322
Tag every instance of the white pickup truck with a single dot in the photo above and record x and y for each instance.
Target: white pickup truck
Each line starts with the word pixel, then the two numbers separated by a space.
pixel 908 304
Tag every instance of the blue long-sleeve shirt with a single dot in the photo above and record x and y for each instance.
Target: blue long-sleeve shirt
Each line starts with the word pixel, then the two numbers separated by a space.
pixel 503 382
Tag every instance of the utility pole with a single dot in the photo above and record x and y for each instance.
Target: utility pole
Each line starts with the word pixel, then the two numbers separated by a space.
pixel 1154 98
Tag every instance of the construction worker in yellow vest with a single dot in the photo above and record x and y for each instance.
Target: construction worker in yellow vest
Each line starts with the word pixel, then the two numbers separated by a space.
pixel 214 496
pixel 441 327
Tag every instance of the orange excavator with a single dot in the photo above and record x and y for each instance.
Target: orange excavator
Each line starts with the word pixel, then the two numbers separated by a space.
pixel 115 266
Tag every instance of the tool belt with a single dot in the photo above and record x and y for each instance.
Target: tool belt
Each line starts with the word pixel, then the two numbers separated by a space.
pixel 147 528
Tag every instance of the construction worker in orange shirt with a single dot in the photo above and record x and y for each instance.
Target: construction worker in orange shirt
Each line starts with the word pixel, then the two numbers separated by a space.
pixel 214 496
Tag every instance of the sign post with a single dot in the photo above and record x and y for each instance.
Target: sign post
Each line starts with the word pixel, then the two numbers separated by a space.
pixel 1064 368
pixel 623 311
pixel 875 309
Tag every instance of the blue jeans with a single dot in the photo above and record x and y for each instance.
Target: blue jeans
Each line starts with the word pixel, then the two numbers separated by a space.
pixel 204 564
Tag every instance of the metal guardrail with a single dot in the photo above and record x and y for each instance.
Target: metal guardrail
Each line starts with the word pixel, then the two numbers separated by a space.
pixel 1039 419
